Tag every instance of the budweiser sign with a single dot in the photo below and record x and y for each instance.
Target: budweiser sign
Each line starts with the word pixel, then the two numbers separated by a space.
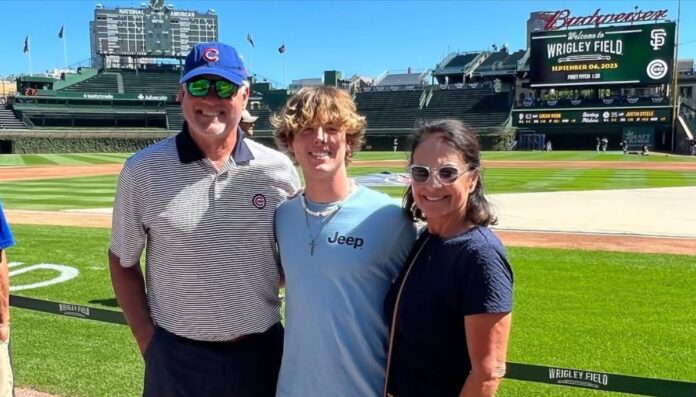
pixel 562 19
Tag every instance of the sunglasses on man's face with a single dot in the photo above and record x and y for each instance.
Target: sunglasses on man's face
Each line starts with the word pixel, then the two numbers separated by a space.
pixel 223 88
pixel 447 174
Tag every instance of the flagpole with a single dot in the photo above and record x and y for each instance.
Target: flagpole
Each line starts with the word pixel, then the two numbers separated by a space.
pixel 250 41
pixel 65 49
pixel 285 72
pixel 251 53
pixel 29 54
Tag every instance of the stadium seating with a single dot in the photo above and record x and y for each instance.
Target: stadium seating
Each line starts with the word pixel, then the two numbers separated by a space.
pixel 456 67
pixel 9 121
pixel 513 60
pixel 175 117
pixel 395 106
pixel 480 107
pixel 150 82
pixel 128 81
pixel 493 61
pixel 103 83
pixel 400 79
pixel 461 60
pixel 500 62
pixel 389 109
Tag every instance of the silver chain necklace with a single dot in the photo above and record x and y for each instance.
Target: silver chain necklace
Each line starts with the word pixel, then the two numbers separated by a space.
pixel 329 211
pixel 313 239
pixel 327 214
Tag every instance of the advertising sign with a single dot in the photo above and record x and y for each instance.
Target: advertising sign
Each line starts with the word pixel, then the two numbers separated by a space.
pixel 638 55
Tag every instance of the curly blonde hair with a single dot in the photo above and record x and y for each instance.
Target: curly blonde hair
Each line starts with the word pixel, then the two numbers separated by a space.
pixel 319 105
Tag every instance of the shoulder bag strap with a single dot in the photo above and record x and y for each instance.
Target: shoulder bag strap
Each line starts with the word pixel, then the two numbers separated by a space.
pixel 394 313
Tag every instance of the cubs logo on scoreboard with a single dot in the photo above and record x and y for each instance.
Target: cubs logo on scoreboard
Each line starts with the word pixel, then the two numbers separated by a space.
pixel 634 54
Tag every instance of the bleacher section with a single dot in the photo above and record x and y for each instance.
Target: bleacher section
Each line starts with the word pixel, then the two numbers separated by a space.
pixel 493 61
pixel 400 79
pixel 102 83
pixel 389 109
pixel 113 98
pixel 149 82
pixel 175 117
pixel 123 81
pixel 8 121
pixel 118 100
pixel 458 68
pixel 499 63
pixel 514 59
pixel 480 107
pixel 92 114
pixel 460 60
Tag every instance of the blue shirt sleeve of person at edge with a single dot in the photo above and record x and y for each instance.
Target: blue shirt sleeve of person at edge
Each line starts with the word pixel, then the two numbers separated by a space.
pixel 6 238
pixel 452 278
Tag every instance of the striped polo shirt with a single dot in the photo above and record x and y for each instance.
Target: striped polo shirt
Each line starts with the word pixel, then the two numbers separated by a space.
pixel 211 263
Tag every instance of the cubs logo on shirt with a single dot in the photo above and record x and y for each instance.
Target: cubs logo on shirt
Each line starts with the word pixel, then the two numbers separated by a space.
pixel 259 201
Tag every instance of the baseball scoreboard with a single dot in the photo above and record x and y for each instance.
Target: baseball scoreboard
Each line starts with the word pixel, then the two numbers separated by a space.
pixel 589 116
pixel 154 30
pixel 629 54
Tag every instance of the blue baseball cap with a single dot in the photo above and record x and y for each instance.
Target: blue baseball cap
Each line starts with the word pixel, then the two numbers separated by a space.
pixel 214 58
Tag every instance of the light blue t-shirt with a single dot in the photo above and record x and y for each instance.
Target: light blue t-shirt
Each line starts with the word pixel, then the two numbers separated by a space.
pixel 6 238
pixel 335 335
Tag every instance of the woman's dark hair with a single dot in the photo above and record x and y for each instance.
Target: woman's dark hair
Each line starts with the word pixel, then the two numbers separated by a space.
pixel 463 139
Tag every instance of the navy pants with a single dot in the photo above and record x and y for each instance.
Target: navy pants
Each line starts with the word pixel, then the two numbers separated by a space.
pixel 181 367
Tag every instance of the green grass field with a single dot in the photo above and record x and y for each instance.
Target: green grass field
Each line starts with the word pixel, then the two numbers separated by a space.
pixel 62 159
pixel 98 191
pixel 600 311
pixel 61 193
pixel 114 158
pixel 614 312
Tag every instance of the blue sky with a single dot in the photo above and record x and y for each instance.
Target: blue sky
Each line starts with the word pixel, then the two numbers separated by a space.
pixel 354 37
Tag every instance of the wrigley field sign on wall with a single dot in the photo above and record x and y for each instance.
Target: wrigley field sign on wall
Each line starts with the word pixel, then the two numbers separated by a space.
pixel 629 54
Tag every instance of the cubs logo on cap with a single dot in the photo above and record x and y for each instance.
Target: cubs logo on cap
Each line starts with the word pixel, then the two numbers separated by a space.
pixel 211 55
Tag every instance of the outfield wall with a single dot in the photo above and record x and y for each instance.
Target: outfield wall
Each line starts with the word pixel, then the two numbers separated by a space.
pixel 124 140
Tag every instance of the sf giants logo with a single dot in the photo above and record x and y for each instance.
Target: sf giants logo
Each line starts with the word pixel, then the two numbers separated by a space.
pixel 657 38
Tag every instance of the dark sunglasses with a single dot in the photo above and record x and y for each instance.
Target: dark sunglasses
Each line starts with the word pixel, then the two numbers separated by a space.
pixel 447 174
pixel 223 88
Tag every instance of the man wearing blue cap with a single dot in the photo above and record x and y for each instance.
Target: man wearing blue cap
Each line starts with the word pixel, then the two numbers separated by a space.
pixel 206 315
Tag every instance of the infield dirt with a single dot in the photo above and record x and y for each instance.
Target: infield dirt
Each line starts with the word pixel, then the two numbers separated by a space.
pixel 627 242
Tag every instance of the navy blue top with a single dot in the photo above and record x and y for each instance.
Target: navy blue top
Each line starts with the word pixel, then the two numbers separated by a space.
pixel 452 278
pixel 6 239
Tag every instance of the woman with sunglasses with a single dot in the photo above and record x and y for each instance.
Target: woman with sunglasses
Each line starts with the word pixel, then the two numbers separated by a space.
pixel 450 309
